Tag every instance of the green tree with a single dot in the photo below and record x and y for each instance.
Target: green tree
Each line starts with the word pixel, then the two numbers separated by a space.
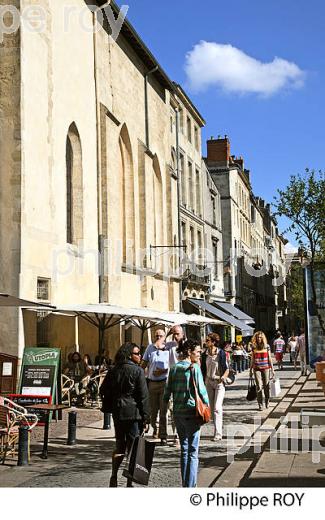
pixel 303 203
pixel 296 306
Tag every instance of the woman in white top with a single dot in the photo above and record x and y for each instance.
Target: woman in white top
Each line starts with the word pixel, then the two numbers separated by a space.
pixel 217 371
pixel 292 344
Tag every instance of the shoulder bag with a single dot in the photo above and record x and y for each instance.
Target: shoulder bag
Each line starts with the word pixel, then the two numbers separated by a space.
pixel 202 410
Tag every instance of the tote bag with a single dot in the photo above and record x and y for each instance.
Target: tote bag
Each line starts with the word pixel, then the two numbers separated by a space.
pixel 275 388
pixel 251 391
pixel 140 459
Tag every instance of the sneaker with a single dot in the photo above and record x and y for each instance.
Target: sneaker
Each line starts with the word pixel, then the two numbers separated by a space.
pixel 260 406
pixel 155 435
pixel 163 442
pixel 217 437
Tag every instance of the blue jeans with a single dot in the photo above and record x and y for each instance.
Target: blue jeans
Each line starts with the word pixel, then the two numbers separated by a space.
pixel 188 431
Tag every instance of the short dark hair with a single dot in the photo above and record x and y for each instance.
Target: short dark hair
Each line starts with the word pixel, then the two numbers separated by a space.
pixel 124 352
pixel 185 347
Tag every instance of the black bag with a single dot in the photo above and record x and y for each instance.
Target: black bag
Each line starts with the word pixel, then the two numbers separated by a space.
pixel 231 377
pixel 140 461
pixel 251 392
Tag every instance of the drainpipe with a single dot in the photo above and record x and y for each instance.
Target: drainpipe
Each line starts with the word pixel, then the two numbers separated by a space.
pixel 99 176
pixel 179 208
pixel 146 104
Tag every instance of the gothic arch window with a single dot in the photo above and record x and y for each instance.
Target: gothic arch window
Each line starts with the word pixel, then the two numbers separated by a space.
pixel 127 197
pixel 74 186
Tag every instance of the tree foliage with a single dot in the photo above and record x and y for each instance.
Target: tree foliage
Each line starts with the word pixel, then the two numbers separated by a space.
pixel 303 203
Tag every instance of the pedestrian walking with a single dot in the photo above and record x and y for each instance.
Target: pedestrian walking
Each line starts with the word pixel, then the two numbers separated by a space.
pixel 180 386
pixel 261 366
pixel 292 345
pixel 156 358
pixel 216 369
pixel 279 346
pixel 301 352
pixel 124 393
pixel 178 336
pixel 237 356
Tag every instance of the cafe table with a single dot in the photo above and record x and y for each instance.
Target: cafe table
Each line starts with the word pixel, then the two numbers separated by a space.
pixel 46 409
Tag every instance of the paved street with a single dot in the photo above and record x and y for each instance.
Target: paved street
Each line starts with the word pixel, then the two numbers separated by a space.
pixel 88 463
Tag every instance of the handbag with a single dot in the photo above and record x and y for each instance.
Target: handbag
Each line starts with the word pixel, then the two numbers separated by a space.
pixel 139 463
pixel 202 410
pixel 251 391
pixel 275 388
pixel 231 377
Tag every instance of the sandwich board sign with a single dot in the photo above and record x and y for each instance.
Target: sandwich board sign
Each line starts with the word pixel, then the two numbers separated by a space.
pixel 40 372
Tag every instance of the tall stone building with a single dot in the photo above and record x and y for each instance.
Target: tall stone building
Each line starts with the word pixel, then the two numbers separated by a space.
pixel 253 250
pixel 199 207
pixel 86 173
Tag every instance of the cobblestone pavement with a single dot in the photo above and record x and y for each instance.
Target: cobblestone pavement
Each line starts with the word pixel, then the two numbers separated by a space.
pixel 88 464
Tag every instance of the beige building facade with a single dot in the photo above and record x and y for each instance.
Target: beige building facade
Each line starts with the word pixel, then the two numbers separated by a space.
pixel 86 177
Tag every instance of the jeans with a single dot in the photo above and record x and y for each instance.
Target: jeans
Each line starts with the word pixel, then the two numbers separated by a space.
pixel 156 392
pixel 216 393
pixel 262 379
pixel 188 430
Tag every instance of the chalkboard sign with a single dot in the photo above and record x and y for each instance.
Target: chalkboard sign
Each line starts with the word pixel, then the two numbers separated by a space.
pixel 40 372
pixel 28 400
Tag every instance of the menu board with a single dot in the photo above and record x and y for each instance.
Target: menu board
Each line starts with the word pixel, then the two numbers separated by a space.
pixel 314 334
pixel 39 373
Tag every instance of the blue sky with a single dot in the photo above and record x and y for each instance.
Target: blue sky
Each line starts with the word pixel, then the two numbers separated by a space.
pixel 272 111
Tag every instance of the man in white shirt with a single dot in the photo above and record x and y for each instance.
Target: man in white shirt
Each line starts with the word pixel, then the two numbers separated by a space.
pixel 177 336
pixel 156 358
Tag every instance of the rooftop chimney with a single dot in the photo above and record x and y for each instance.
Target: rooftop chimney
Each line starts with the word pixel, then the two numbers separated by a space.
pixel 218 152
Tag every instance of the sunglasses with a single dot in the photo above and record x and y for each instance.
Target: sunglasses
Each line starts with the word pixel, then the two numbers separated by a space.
pixel 159 336
pixel 136 354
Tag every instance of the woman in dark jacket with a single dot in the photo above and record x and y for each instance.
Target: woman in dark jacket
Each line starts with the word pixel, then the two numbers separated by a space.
pixel 125 395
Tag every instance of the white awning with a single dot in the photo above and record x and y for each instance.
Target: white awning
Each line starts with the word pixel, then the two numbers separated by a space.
pixel 6 300
pixel 130 313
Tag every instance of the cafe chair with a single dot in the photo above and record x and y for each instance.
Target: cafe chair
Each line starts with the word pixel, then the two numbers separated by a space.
pixel 12 416
pixel 67 385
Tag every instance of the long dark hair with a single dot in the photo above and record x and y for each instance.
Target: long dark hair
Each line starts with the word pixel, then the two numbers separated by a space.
pixel 124 352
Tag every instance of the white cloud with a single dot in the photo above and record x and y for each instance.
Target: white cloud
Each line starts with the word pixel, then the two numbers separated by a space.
pixel 290 248
pixel 224 66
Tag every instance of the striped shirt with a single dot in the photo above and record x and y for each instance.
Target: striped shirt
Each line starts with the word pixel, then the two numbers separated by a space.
pixel 180 384
pixel 261 358
pixel 279 345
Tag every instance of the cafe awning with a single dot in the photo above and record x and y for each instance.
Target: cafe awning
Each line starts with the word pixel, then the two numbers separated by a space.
pixel 234 311
pixel 133 314
pixel 6 300
pixel 218 313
